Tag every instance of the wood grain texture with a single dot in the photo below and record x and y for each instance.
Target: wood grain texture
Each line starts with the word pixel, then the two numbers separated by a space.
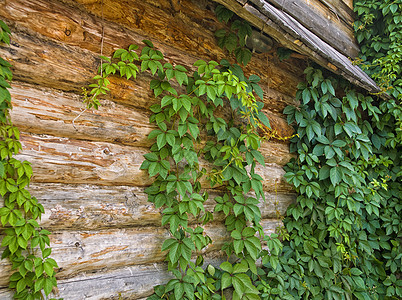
pixel 342 9
pixel 106 236
pixel 321 21
pixel 53 112
pixel 84 206
pixel 77 28
pixel 95 250
pixel 295 36
pixel 132 282
pixel 63 160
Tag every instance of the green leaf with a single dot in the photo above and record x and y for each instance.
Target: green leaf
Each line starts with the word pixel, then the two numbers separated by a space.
pixel 148 43
pixel 48 286
pixel 48 268
pixel 335 175
pixel 151 156
pixel 226 281
pixel 226 266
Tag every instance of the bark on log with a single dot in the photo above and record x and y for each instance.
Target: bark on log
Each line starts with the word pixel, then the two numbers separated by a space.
pixel 79 251
pixel 84 207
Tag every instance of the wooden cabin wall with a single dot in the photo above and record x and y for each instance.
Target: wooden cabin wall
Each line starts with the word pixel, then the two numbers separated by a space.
pixel 106 237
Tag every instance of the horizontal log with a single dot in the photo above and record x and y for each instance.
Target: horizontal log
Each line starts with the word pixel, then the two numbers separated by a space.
pixel 81 207
pixel 92 250
pixel 129 282
pixel 53 112
pixel 63 160
pixel 75 35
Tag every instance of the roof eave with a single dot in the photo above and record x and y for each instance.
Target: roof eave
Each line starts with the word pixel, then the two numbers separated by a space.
pixel 290 33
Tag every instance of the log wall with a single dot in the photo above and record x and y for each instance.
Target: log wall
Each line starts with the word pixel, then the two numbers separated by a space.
pixel 106 237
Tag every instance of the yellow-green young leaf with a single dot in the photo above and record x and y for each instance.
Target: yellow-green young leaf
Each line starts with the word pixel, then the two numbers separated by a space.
pixel 238 286
pixel 238 246
pixel 48 268
pixel 241 267
pixel 181 77
pixel 226 281
pixel 46 252
pixel 39 284
pixel 21 284
pixel 28 265
pixel 251 248
pixel 211 270
pixel 48 286
pixel 2 170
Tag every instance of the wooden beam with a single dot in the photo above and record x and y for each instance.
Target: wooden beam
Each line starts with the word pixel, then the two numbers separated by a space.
pixel 63 160
pixel 322 22
pixel 100 207
pixel 95 250
pixel 133 282
pixel 341 9
pixel 290 33
pixel 47 110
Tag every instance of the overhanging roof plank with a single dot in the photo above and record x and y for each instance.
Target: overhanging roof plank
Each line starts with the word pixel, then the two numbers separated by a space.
pixel 290 33
pixel 322 22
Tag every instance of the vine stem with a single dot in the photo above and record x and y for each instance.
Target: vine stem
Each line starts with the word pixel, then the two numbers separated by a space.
pixel 101 65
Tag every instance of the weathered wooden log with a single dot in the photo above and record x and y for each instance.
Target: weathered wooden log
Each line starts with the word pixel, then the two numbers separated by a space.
pixel 71 31
pixel 130 282
pixel 82 207
pixel 63 160
pixel 317 18
pixel 53 112
pixel 342 9
pixel 79 251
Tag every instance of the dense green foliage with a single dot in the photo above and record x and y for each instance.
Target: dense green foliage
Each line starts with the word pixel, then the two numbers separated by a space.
pixel 345 228
pixel 24 241
pixel 379 33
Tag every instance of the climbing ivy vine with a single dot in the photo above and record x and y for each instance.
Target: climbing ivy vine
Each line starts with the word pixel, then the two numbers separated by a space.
pixel 345 227
pixel 26 243
pixel 342 237
pixel 188 108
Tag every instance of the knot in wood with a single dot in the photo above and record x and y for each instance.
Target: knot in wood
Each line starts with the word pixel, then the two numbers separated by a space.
pixel 67 32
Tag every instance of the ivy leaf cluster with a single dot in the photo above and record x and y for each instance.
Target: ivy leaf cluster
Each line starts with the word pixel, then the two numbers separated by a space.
pixel 379 32
pixel 25 243
pixel 233 39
